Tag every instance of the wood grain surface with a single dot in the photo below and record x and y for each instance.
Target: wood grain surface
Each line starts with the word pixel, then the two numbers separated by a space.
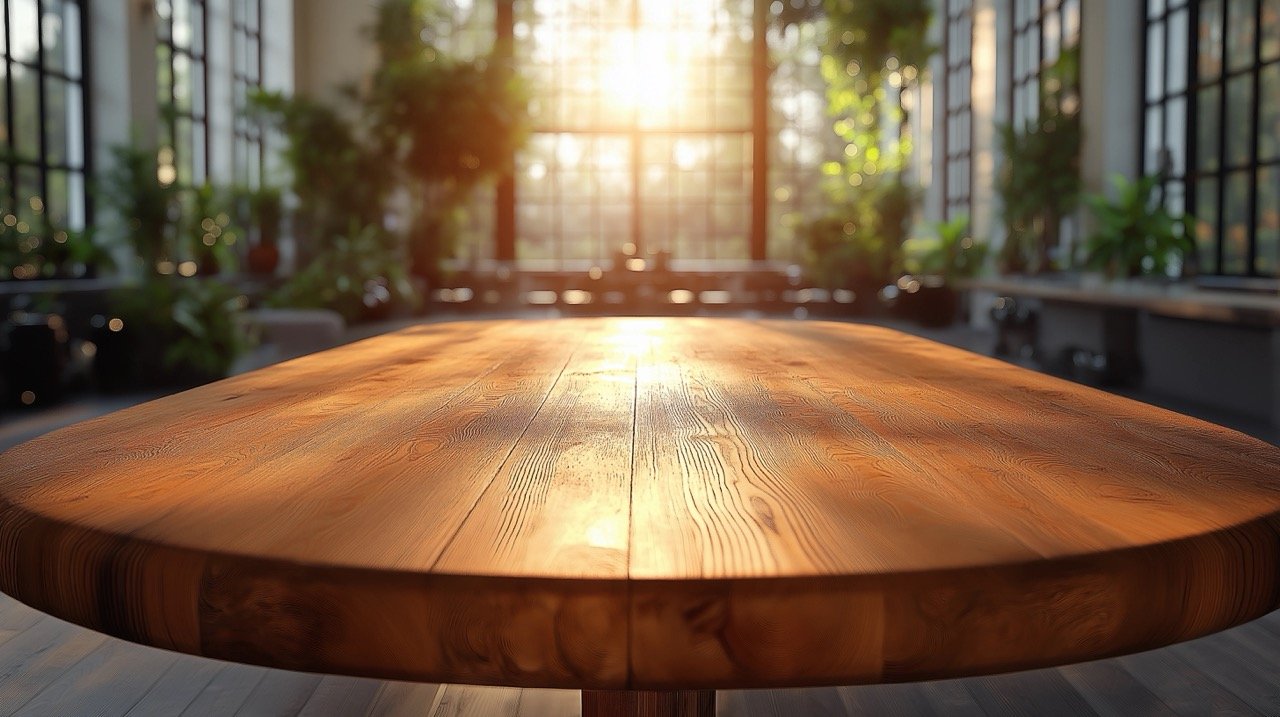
pixel 653 504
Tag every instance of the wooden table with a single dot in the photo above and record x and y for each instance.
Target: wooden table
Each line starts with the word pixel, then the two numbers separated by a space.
pixel 646 509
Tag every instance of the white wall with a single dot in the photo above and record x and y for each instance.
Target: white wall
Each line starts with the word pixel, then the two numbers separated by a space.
pixel 1110 89
pixel 332 49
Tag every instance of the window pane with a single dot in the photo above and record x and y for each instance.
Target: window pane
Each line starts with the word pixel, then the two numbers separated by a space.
pixel 24 22
pixel 1175 136
pixel 1269 114
pixel 1207 140
pixel 1206 215
pixel 1210 60
pixel 1155 61
pixel 56 200
pixel 77 200
pixel 4 108
pixel 1155 141
pixel 182 83
pixel 1268 220
pixel 197 88
pixel 196 44
pixel 1071 22
pixel 1270 30
pixel 30 196
pixel 1236 220
pixel 56 114
pixel 199 170
pixel 1178 57
pixel 26 112
pixel 52 40
pixel 1239 120
pixel 1240 20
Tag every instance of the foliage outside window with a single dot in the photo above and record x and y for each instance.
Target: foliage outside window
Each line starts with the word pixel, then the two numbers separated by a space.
pixel 246 79
pixel 43 142
pixel 1212 125
pixel 1039 180
pixel 956 87
pixel 182 85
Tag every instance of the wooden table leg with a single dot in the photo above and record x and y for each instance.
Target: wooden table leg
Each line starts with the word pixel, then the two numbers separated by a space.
pixel 677 703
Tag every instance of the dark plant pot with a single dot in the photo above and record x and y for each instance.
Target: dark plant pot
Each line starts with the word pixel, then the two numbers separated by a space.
pixel 866 298
pixel 115 365
pixel 132 358
pixel 938 306
pixel 263 259
pixel 34 360
pixel 927 301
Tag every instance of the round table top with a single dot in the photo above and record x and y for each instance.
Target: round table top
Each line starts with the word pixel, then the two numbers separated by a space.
pixel 645 504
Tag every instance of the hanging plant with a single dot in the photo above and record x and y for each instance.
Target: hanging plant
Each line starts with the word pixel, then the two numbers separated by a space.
pixel 875 36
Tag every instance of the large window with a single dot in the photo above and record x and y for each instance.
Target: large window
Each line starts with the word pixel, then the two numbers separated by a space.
pixel 1213 126
pixel 183 91
pixel 643 131
pixel 1168 93
pixel 1041 30
pixel 42 125
pixel 246 78
pixel 957 104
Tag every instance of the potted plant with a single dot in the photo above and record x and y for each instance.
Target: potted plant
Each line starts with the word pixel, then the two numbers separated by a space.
pixel 1135 235
pixel 937 264
pixel 361 275
pixel 209 234
pixel 859 246
pixel 177 331
pixel 266 212
pixel 144 207
pixel 166 329
pixel 1039 179
pixel 443 124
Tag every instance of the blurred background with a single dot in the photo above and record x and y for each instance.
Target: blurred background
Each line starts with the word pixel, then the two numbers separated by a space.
pixel 191 188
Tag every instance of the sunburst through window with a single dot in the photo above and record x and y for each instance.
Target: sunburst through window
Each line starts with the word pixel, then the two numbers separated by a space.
pixel 643 122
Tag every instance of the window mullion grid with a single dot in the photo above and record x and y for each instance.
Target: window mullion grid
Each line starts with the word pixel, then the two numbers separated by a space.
pixel 11 167
pixel 42 113
pixel 1255 117
pixel 1224 17
pixel 1191 164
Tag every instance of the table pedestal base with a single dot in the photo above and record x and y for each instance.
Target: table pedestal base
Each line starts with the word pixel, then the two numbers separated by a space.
pixel 620 703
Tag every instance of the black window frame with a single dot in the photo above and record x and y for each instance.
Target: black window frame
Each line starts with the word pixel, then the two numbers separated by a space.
pixel 1208 166
pixel 956 94
pixel 171 115
pixel 1026 78
pixel 12 163
pixel 248 142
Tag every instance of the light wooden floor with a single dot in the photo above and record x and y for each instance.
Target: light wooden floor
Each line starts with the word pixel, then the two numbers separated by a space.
pixel 49 667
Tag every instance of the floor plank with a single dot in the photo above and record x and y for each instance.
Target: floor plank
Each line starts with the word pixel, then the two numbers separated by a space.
pixel 403 699
pixel 226 692
pixel 39 656
pixel 279 693
pixel 1184 688
pixel 336 695
pixel 466 700
pixel 106 683
pixel 177 687
pixel 1112 691
pixel 1040 692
